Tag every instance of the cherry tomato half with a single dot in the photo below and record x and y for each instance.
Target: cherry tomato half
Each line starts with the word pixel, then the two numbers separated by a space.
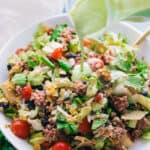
pixel 19 51
pixel 86 42
pixel 57 53
pixel 61 146
pixel 26 92
pixel 20 128
pixel 98 98
pixel 85 126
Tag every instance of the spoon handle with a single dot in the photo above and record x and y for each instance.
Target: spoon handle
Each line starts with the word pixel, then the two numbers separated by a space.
pixel 139 41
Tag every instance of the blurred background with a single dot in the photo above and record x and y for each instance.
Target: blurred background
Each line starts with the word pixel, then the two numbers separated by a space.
pixel 16 15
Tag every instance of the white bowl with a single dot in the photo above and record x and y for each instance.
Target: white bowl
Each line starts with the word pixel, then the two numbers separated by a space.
pixel 26 36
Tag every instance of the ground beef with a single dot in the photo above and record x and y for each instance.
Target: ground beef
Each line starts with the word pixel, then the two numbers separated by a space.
pixel 38 97
pixel 80 88
pixel 52 134
pixel 120 148
pixel 136 134
pixel 143 123
pixel 78 59
pixel 117 135
pixel 18 89
pixel 67 34
pixel 23 65
pixel 117 122
pixel 93 55
pixel 114 134
pixel 107 58
pixel 120 103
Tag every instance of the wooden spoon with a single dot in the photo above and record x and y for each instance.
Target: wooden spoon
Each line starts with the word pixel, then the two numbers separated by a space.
pixel 140 40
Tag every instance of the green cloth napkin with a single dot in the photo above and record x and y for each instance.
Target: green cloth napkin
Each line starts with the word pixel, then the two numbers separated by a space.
pixel 4 144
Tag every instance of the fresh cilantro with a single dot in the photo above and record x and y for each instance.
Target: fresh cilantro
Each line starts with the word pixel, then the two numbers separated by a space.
pixel 142 69
pixel 124 65
pixel 57 32
pixel 125 60
pixel 99 122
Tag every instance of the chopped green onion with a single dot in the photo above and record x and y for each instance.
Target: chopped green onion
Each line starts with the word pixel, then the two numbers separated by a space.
pixel 57 32
pixel 20 79
pixel 64 65
pixel 46 61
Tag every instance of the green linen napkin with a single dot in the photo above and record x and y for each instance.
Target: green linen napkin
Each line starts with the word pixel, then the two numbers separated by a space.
pixel 4 144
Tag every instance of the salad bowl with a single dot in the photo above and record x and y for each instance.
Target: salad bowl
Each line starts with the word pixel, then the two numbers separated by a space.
pixel 21 39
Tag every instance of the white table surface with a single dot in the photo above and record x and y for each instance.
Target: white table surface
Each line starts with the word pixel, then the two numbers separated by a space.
pixel 16 15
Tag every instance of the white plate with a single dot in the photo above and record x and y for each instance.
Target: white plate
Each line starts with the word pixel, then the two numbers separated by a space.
pixel 23 38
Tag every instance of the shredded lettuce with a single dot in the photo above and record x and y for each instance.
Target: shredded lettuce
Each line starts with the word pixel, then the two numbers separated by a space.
pixel 37 76
pixel 135 81
pixel 69 128
pixel 99 122
pixel 124 60
pixel 94 85
pixel 77 73
pixel 39 42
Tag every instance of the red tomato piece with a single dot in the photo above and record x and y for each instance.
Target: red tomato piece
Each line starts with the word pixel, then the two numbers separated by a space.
pixel 26 92
pixel 98 97
pixel 45 145
pixel 85 126
pixel 57 53
pixel 19 51
pixel 20 128
pixel 61 146
pixel 86 42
